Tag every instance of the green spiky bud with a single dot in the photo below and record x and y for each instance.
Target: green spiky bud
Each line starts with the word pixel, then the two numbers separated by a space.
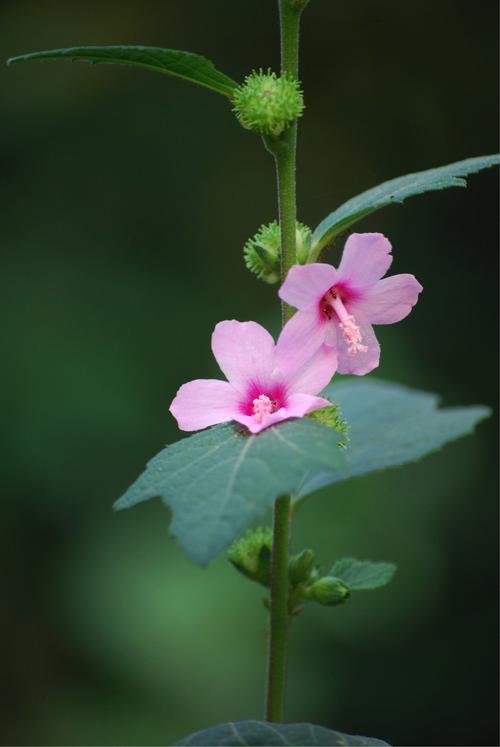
pixel 268 103
pixel 251 554
pixel 329 590
pixel 263 251
pixel 331 416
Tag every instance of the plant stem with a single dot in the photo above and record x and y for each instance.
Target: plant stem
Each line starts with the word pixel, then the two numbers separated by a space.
pixel 284 151
pixel 286 154
pixel 278 615
pixel 290 13
pixel 285 170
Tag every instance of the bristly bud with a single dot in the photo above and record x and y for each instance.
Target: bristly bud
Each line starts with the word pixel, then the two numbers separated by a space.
pixel 331 416
pixel 329 590
pixel 263 251
pixel 268 103
pixel 251 554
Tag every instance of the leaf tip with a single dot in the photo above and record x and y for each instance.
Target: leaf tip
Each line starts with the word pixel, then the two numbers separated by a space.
pixel 484 411
pixel 120 504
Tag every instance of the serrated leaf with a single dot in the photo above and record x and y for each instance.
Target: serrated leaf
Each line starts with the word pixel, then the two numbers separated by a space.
pixel 396 191
pixel 186 65
pixel 269 734
pixel 361 575
pixel 390 426
pixel 218 481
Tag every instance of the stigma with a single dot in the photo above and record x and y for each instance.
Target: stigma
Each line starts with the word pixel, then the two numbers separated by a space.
pixel 347 323
pixel 263 405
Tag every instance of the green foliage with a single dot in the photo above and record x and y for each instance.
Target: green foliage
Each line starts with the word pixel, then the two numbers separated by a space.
pixel 251 554
pixel 391 425
pixel 346 575
pixel 220 480
pixel 263 251
pixel 264 733
pixel 268 103
pixel 186 65
pixel 361 575
pixel 394 192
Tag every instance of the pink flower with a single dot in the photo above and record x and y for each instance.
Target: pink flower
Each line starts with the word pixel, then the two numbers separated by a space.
pixel 266 383
pixel 338 307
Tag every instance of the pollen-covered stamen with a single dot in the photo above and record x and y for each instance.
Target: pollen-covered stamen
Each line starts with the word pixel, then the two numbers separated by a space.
pixel 263 405
pixel 347 323
pixel 352 336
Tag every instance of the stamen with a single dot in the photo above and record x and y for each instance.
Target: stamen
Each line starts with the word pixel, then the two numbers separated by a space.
pixel 352 336
pixel 263 405
pixel 347 323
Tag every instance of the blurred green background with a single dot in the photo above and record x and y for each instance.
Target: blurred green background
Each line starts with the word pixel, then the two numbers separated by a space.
pixel 126 198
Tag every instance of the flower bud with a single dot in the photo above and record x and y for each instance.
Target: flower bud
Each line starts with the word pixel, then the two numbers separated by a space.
pixel 331 417
pixel 263 251
pixel 329 590
pixel 268 103
pixel 303 238
pixel 251 554
pixel 301 566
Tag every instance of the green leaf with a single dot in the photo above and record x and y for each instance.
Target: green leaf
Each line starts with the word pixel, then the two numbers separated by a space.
pixel 393 192
pixel 218 481
pixel 268 734
pixel 360 575
pixel 391 425
pixel 184 65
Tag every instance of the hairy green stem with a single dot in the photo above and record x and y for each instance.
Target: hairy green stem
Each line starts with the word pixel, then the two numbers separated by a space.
pixel 284 151
pixel 278 614
pixel 286 154
pixel 290 12
pixel 285 170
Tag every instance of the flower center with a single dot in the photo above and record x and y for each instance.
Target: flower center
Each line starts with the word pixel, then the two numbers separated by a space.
pixel 263 405
pixel 347 323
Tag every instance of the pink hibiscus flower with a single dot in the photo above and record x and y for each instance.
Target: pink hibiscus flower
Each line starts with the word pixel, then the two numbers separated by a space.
pixel 338 307
pixel 266 383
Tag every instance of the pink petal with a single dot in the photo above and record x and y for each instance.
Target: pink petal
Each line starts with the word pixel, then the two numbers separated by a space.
pixel 358 363
pixel 300 339
pixel 315 374
pixel 389 300
pixel 299 405
pixel 366 258
pixel 254 426
pixel 244 352
pixel 305 285
pixel 204 402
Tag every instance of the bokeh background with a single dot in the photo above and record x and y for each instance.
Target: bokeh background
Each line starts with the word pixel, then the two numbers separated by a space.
pixel 126 198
